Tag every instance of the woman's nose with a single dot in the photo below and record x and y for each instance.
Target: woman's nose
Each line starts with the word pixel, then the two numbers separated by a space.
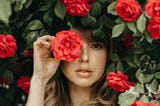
pixel 84 57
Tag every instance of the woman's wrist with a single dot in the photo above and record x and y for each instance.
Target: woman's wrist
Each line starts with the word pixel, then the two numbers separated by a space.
pixel 40 82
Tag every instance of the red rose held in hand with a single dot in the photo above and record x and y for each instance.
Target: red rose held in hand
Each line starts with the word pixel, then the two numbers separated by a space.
pixel 128 10
pixel 118 81
pixel 153 9
pixel 67 45
pixel 8 46
pixel 24 83
pixel 154 29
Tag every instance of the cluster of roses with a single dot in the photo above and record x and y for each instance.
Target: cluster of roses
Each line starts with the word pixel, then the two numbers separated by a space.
pixel 153 8
pixel 130 10
pixel 8 49
pixel 77 7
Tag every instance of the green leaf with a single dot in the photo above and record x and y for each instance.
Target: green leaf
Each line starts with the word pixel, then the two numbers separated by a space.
pixel 145 99
pixel 157 66
pixel 140 76
pixel 148 37
pixel 28 3
pixel 145 57
pixel 117 30
pixel 108 22
pixel 119 66
pixel 102 1
pixel 157 75
pixel 141 23
pixel 111 8
pixel 139 88
pixel 148 78
pixel 47 18
pixel 89 20
pixel 126 99
pixel 45 6
pixel 154 85
pixel 35 25
pixel 136 60
pixel 96 9
pixel 111 68
pixel 130 63
pixel 119 21
pixel 19 5
pixel 114 57
pixel 5 10
pixel 31 37
pixel 99 33
pixel 8 75
pixel 132 27
pixel 60 9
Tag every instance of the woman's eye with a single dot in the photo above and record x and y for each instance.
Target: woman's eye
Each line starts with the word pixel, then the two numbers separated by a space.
pixel 97 45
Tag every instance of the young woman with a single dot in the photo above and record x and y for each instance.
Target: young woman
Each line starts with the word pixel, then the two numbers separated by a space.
pixel 81 82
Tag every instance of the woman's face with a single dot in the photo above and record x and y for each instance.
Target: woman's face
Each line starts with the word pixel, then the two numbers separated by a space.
pixel 89 66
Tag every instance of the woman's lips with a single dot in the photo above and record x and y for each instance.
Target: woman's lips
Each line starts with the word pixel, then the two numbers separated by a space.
pixel 84 73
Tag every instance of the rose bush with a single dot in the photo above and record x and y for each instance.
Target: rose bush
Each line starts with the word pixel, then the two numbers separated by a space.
pixel 67 45
pixel 139 62
pixel 134 26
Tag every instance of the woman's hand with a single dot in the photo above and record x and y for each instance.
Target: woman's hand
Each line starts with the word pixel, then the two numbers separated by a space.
pixel 45 65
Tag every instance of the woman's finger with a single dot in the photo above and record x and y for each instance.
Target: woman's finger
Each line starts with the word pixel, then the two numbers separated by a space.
pixel 42 44
pixel 47 38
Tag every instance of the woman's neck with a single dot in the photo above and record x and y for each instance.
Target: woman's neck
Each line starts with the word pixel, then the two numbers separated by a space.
pixel 80 94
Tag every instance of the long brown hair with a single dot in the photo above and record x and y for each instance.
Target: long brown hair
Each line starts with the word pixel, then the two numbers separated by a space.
pixel 57 89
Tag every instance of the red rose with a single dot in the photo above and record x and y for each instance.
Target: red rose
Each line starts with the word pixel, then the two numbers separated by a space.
pixel 128 41
pixel 154 29
pixel 128 10
pixel 118 81
pixel 153 9
pixel 77 7
pixel 68 2
pixel 28 53
pixel 67 45
pixel 141 103
pixel 24 83
pixel 8 46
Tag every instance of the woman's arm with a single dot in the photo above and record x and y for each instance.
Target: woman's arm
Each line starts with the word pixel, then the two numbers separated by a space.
pixel 36 94
pixel 45 67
